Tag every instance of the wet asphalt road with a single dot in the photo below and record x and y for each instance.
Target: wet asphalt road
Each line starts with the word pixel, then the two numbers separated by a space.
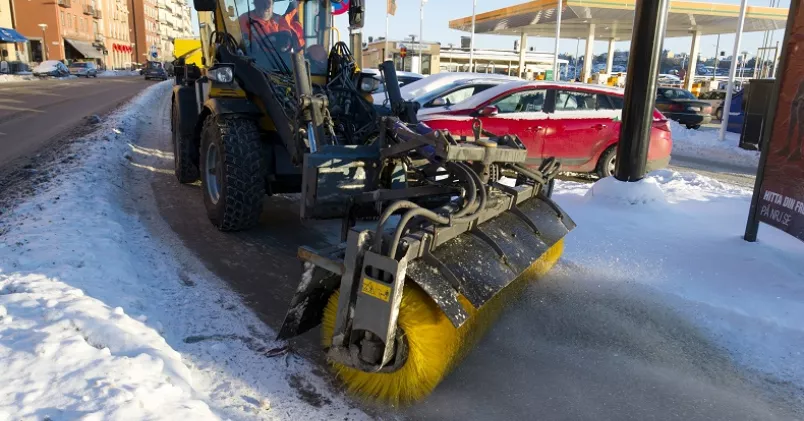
pixel 568 350
pixel 36 114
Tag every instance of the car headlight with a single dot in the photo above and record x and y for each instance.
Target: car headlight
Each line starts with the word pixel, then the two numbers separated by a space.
pixel 221 73
pixel 369 84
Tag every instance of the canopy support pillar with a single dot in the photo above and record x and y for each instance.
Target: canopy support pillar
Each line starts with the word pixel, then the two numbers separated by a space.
pixel 589 56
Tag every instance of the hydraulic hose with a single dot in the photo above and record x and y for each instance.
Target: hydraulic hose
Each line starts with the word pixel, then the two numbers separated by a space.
pixel 436 218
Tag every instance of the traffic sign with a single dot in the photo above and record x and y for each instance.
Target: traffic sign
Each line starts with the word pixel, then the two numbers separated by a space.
pixel 403 51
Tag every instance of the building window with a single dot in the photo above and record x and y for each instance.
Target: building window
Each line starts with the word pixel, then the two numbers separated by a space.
pixel 62 18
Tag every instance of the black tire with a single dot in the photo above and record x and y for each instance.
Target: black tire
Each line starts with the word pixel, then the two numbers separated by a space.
pixel 185 155
pixel 605 163
pixel 719 114
pixel 240 171
pixel 693 126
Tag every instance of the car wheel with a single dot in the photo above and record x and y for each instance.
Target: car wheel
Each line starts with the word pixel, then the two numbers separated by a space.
pixel 693 126
pixel 719 114
pixel 607 162
pixel 232 172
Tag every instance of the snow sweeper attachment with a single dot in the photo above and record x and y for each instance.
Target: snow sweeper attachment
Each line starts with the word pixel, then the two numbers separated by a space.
pixel 404 296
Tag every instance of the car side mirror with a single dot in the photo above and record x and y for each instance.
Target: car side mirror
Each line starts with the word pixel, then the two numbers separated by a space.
pixel 204 5
pixel 489 111
pixel 439 102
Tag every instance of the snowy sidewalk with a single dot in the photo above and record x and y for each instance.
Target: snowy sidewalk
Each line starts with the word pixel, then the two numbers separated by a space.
pixel 688 246
pixel 99 321
pixel 703 144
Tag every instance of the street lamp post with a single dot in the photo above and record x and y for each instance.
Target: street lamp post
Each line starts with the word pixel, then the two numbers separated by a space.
pixel 724 124
pixel 44 41
pixel 421 32
pixel 472 39
pixel 717 55
pixel 556 66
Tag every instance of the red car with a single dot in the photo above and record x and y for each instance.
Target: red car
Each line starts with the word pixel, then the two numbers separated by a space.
pixel 578 124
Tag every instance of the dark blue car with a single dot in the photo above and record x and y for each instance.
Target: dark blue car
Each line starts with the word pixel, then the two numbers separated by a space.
pixel 154 70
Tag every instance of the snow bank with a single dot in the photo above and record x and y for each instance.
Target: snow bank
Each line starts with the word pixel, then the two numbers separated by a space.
pixel 68 355
pixel 749 297
pixel 16 78
pixel 98 320
pixel 704 143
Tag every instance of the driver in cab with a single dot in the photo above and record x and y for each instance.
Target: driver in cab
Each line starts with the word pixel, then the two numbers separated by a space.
pixel 263 17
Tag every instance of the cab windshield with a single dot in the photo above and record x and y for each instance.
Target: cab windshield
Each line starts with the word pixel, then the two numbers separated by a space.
pixel 271 30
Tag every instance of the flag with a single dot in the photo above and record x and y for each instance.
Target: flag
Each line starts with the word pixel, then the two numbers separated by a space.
pixel 391 9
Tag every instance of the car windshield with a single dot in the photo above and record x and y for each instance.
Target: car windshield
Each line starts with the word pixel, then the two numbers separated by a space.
pixel 154 65
pixel 79 65
pixel 270 30
pixel 424 99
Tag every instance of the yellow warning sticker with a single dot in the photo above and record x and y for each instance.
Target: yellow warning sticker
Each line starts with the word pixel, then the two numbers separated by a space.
pixel 376 289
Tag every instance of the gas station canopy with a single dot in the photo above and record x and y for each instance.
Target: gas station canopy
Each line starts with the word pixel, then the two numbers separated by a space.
pixel 613 19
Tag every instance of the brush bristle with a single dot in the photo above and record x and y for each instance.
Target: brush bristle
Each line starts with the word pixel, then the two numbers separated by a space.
pixel 434 345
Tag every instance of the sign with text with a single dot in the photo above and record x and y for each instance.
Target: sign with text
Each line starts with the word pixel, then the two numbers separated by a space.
pixel 412 47
pixel 781 198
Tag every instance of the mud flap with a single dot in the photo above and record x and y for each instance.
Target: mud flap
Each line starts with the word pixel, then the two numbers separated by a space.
pixel 307 305
pixel 481 262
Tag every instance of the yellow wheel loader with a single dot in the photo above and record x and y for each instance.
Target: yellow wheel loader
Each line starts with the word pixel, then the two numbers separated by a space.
pixel 449 223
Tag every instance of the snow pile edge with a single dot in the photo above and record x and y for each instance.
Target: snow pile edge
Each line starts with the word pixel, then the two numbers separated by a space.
pixel 704 144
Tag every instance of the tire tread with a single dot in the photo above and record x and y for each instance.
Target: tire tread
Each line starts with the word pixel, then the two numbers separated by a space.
pixel 243 184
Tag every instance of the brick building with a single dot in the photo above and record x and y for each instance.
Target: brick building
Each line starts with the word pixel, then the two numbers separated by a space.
pixel 144 29
pixel 118 34
pixel 69 29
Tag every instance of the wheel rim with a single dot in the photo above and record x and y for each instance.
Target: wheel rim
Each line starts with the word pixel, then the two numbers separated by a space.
pixel 610 165
pixel 212 175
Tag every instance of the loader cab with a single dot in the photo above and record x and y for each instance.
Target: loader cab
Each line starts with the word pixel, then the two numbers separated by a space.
pixel 268 31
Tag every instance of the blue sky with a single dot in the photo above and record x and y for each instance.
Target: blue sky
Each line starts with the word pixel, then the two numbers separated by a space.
pixel 438 13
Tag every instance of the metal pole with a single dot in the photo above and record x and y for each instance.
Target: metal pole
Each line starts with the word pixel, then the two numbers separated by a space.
pixel 472 39
pixel 44 44
pixel 421 31
pixel 650 19
pixel 577 51
pixel 732 70
pixel 556 66
pixel 387 26
pixel 717 54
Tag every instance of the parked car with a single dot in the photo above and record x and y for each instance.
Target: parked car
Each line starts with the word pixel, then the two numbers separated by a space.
pixel 83 68
pixel 154 70
pixel 578 124
pixel 375 85
pixel 715 99
pixel 52 68
pixel 682 106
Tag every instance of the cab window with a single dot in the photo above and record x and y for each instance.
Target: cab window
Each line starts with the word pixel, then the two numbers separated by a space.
pixel 270 30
